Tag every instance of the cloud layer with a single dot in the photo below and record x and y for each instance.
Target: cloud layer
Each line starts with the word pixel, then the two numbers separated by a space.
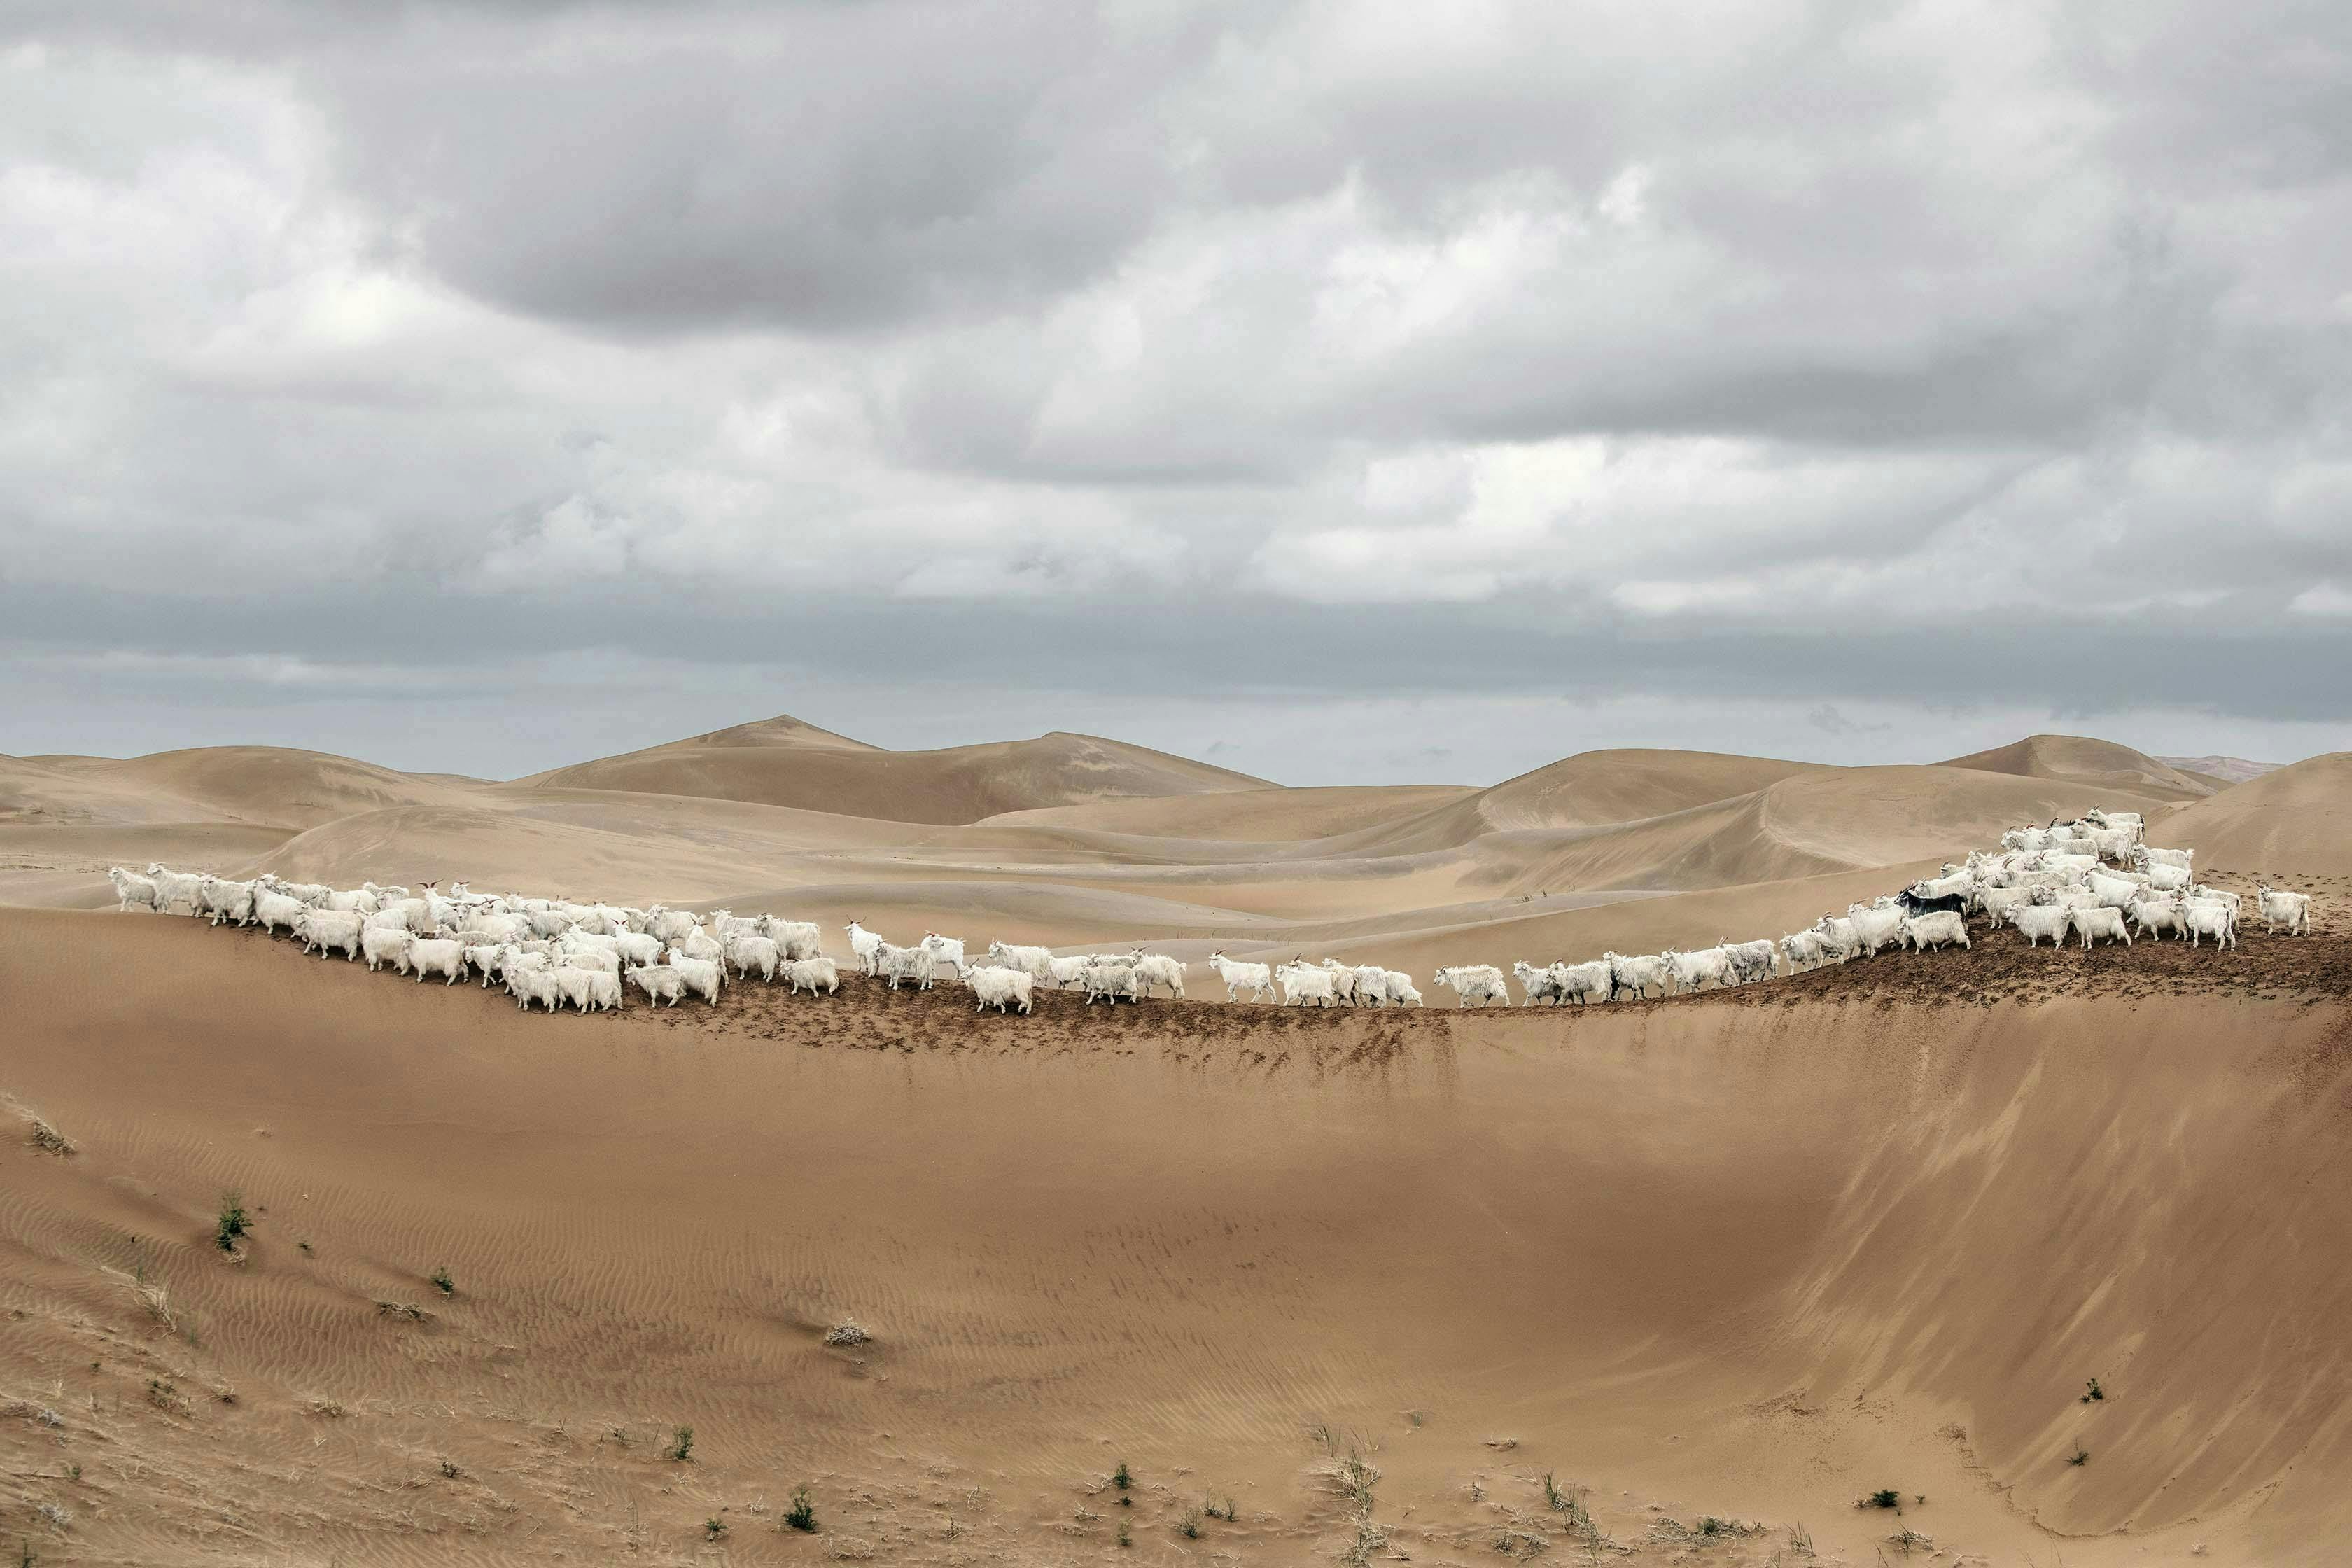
pixel 1805 355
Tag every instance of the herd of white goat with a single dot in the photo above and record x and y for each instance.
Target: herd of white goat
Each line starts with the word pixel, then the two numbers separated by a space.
pixel 2091 878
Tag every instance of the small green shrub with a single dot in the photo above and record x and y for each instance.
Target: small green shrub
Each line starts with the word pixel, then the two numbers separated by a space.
pixel 681 1445
pixel 1885 1497
pixel 233 1223
pixel 442 1282
pixel 1189 1524
pixel 802 1515
pixel 1121 1479
pixel 2081 1456
pixel 1125 1537
pixel 714 1528
pixel 2093 1390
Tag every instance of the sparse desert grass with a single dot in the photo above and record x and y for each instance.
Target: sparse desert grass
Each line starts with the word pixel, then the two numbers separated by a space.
pixel 2081 1456
pixel 1709 1527
pixel 233 1223
pixel 1348 1462
pixel 1517 1541
pixel 1125 1537
pixel 681 1445
pixel 714 1528
pixel 1216 1510
pixel 152 1298
pixel 1188 1524
pixel 846 1334
pixel 164 1395
pixel 1567 1500
pixel 1885 1497
pixel 1121 1479
pixel 1907 1541
pixel 802 1515
pixel 326 1409
pixel 451 1471
pixel 408 1309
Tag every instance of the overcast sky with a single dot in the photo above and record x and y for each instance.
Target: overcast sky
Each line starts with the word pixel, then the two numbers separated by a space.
pixel 1346 391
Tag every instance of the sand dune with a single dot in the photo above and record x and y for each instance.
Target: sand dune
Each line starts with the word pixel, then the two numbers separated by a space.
pixel 1745 1257
pixel 1719 1256
pixel 2292 821
pixel 1244 817
pixel 249 785
pixel 2100 763
pixel 775 762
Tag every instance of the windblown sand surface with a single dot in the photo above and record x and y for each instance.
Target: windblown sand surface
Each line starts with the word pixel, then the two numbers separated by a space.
pixel 1745 1257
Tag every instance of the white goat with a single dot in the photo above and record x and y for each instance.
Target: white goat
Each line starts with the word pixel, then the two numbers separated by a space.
pixel 1635 974
pixel 2277 906
pixel 1482 983
pixel 1258 979
pixel 659 982
pixel 2034 922
pixel 1937 928
pixel 865 948
pixel 1583 982
pixel 2101 922
pixel 1303 982
pixel 999 988
pixel 703 976
pixel 813 974
pixel 1156 969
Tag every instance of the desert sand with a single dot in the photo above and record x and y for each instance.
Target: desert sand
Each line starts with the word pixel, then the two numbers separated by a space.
pixel 1740 1258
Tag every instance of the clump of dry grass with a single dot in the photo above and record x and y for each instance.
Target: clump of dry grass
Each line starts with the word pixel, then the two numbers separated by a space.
pixel 408 1309
pixel 40 1134
pixel 847 1332
pixel 1517 1541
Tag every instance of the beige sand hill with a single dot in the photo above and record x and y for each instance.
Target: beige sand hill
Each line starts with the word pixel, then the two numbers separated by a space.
pixel 1455 874
pixel 781 761
pixel 1720 1258
pixel 2292 821
pixel 2098 763
pixel 2222 770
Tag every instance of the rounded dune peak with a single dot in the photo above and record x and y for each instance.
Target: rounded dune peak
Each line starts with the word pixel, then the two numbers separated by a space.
pixel 784 729
pixel 2094 761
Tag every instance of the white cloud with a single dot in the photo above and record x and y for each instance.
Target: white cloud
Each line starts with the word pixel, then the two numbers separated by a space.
pixel 2322 600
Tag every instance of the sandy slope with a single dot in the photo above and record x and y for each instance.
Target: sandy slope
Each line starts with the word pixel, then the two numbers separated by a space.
pixel 1719 1256
pixel 2291 821
pixel 1746 1257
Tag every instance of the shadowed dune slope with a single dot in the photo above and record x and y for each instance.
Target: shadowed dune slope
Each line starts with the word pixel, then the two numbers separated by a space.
pixel 2101 763
pixel 2292 820
pixel 1720 1257
pixel 964 783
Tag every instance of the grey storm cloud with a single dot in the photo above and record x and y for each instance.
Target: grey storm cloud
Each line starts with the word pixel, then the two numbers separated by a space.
pixel 1818 353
